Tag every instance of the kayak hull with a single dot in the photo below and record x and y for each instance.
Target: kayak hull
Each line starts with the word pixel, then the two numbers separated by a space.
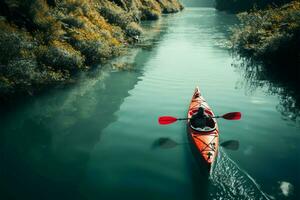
pixel 204 143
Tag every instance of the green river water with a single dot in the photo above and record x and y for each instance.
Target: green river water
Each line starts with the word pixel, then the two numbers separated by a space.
pixel 95 140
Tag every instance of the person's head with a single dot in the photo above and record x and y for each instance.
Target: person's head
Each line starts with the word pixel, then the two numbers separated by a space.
pixel 200 111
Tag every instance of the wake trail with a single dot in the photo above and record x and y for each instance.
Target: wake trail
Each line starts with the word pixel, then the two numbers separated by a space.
pixel 229 181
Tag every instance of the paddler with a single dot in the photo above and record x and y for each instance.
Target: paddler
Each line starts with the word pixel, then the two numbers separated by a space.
pixel 200 119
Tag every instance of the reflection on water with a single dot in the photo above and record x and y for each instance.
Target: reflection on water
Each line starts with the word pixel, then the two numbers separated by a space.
pixel 282 80
pixel 45 143
pixel 48 144
pixel 95 139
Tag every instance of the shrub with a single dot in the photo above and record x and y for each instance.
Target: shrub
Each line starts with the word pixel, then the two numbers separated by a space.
pixel 115 16
pixel 272 34
pixel 22 72
pixel 61 55
pixel 150 14
pixel 14 44
pixel 244 5
pixel 73 21
pixel 170 6
pixel 10 46
pixel 94 51
pixel 45 42
pixel 5 86
pixel 133 29
pixel 19 76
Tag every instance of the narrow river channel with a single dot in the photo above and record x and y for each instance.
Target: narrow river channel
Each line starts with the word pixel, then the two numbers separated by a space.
pixel 95 140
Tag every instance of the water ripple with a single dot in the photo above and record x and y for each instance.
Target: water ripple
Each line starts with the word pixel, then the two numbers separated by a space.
pixel 229 181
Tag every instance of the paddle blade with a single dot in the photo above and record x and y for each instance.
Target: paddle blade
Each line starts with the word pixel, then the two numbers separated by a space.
pixel 164 120
pixel 231 145
pixel 232 116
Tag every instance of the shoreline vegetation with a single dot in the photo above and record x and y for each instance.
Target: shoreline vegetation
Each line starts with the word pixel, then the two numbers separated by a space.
pixel 268 32
pixel 44 43
pixel 271 35
pixel 236 6
pixel 267 41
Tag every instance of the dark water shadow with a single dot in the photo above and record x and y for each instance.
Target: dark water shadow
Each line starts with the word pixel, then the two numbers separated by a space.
pixel 279 79
pixel 46 145
pixel 46 142
pixel 200 180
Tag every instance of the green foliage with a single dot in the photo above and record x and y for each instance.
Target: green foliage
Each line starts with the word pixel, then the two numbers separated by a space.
pixel 150 14
pixel 94 51
pixel 72 21
pixel 133 29
pixel 271 35
pixel 170 6
pixel 45 42
pixel 115 15
pixel 22 71
pixel 60 56
pixel 13 44
pixel 244 5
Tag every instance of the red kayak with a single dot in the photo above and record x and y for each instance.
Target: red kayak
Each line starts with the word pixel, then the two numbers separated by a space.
pixel 204 141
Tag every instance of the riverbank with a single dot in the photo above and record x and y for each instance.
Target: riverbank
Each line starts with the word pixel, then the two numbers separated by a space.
pixel 271 36
pixel 47 43
pixel 235 6
pixel 93 141
pixel 268 43
pixel 269 30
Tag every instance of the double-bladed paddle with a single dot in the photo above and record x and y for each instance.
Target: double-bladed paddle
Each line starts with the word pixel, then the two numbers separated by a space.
pixel 165 120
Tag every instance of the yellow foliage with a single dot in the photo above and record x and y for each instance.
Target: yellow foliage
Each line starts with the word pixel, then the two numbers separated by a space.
pixel 99 21
pixel 151 5
pixel 41 13
pixel 4 26
pixel 84 34
pixel 63 45
pixel 264 32
pixel 4 80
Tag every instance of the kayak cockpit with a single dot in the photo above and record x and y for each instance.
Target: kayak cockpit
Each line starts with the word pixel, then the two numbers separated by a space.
pixel 210 126
pixel 210 123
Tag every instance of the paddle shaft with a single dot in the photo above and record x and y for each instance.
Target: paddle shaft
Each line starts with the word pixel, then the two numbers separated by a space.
pixel 164 120
pixel 183 118
pixel 190 118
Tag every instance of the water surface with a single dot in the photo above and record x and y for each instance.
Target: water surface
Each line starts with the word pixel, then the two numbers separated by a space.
pixel 95 140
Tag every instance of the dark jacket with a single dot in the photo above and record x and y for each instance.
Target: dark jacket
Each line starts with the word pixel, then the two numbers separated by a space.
pixel 199 121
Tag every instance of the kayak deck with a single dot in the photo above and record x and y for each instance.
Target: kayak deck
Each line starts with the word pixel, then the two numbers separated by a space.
pixel 204 143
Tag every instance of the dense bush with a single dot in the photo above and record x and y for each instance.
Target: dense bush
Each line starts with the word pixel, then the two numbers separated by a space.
pixel 271 35
pixel 168 6
pixel 133 29
pixel 46 42
pixel 243 5
pixel 14 44
pixel 22 71
pixel 60 56
pixel 268 44
pixel 150 14
pixel 115 16
pixel 94 51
